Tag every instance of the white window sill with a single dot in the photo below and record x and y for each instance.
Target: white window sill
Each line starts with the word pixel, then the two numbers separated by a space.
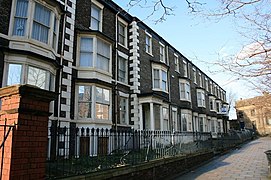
pixel 160 90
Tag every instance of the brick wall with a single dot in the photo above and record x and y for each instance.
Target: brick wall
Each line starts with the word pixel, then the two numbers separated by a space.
pixel 26 109
pixel 5 8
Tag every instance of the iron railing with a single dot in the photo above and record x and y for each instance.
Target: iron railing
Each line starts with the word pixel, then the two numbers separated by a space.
pixel 74 151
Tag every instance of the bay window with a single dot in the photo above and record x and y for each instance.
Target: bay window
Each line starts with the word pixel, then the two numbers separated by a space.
pixel 41 19
pixel 201 98
pixel 28 74
pixel 94 53
pixel 93 102
pixel 160 81
pixel 185 90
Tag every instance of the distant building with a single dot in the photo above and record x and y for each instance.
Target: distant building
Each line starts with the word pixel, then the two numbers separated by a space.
pixel 255 113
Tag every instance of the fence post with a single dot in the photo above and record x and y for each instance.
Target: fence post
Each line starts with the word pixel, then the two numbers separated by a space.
pixel 27 109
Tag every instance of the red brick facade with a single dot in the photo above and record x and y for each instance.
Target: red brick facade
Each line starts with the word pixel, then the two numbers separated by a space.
pixel 26 109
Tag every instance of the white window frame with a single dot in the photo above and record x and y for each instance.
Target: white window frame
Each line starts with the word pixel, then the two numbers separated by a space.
pixel 162 52
pixel 25 63
pixel 175 120
pixel 206 84
pixel 148 47
pixel 186 90
pixel 212 100
pixel 200 80
pixel 218 106
pixel 125 32
pixel 194 75
pixel 125 57
pixel 95 54
pixel 176 63
pixel 185 68
pixel 93 103
pixel 201 98
pixel 53 32
pixel 99 6
pixel 165 115
pixel 211 87
pixel 161 70
pixel 126 97
pixel 188 116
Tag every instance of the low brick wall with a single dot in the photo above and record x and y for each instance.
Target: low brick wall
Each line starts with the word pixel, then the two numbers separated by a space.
pixel 157 169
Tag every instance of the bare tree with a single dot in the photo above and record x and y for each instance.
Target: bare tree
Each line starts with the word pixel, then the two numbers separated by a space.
pixel 253 17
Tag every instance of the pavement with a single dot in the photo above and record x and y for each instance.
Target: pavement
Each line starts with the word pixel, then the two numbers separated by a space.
pixel 247 162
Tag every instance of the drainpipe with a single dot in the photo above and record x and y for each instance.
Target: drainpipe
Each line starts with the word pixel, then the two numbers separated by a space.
pixel 61 62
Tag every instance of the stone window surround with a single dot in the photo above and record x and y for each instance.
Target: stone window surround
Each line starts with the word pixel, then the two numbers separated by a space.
pixel 24 40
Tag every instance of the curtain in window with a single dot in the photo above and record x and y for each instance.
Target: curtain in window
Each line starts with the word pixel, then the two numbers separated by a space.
pixel 20 18
pixel 103 55
pixel 95 17
pixel 14 74
pixel 86 52
pixel 41 23
pixel 156 78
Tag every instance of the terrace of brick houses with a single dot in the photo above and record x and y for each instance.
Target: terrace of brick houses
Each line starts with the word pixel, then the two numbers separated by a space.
pixel 103 153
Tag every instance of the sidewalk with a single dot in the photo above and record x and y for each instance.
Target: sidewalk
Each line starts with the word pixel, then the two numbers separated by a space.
pixel 248 162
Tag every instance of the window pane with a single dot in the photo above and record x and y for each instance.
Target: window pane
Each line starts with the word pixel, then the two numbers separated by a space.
pixel 20 18
pixel 102 111
pixel 123 111
pixel 164 80
pixel 103 56
pixel 95 17
pixel 103 48
pixel 84 93
pixel 84 109
pixel 156 77
pixel 102 95
pixel 86 52
pixel 122 33
pixel 41 23
pixel 122 69
pixel 36 77
pixel 14 74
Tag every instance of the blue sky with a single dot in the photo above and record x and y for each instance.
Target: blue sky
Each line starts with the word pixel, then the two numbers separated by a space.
pixel 199 39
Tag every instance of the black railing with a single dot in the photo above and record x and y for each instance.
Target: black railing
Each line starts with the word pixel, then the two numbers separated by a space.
pixel 73 151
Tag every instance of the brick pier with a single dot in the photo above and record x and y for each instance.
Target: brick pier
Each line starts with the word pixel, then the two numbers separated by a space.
pixel 24 111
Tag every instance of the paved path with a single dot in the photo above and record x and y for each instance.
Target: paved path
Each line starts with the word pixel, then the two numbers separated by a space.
pixel 248 162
